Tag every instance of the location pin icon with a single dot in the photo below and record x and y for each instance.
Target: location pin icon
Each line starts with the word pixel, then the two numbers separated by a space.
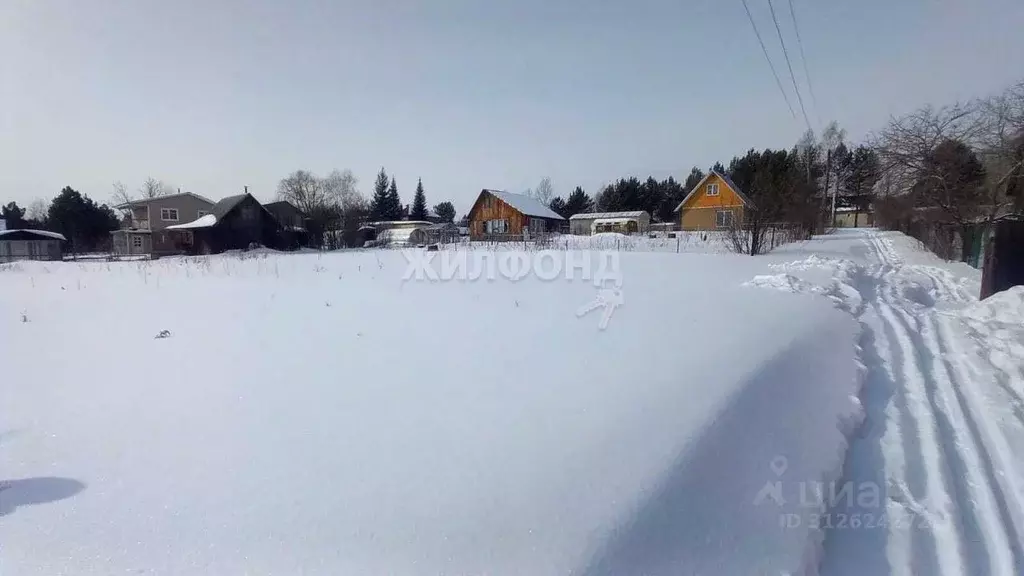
pixel 779 465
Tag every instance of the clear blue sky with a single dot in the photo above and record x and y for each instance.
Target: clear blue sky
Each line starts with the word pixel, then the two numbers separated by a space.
pixel 210 96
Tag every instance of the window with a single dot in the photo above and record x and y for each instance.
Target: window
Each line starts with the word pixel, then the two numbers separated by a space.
pixel 201 213
pixel 136 241
pixel 169 214
pixel 496 226
pixel 712 189
pixel 723 218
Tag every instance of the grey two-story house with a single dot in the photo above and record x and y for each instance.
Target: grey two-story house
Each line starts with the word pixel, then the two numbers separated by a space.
pixel 143 228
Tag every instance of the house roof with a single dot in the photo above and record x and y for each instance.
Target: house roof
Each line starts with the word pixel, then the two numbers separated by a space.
pixel 600 215
pixel 41 233
pixel 225 205
pixel 142 201
pixel 728 181
pixel 525 204
pixel 281 204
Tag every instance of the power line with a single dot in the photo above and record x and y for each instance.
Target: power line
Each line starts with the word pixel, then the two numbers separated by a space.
pixel 768 58
pixel 789 65
pixel 803 58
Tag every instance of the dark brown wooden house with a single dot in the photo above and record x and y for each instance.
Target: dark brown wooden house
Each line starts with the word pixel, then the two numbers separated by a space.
pixel 234 223
pixel 498 215
pixel 293 221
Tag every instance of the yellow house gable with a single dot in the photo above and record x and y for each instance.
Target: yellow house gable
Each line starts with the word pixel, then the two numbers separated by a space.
pixel 712 192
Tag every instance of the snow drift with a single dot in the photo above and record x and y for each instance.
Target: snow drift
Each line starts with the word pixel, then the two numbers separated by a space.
pixel 314 414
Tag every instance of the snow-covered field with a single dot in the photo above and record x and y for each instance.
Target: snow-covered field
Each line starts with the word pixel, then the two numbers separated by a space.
pixel 317 414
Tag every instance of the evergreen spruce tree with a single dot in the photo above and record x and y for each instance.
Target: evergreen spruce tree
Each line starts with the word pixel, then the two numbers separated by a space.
pixel 394 202
pixel 379 204
pixel 578 202
pixel 419 203
pixel 446 210
pixel 559 206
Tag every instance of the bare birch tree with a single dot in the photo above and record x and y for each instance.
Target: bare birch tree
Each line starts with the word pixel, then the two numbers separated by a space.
pixel 544 191
pixel 152 188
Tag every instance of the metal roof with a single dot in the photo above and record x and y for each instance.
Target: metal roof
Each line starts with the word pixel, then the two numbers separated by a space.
pixel 164 197
pixel 598 215
pixel 525 204
pixel 34 232
pixel 225 205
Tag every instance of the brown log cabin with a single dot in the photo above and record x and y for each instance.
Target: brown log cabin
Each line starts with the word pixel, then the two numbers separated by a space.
pixel 498 215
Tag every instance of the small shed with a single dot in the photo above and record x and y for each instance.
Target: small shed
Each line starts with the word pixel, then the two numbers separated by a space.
pixel 446 233
pixel 398 237
pixel 853 217
pixel 24 244
pixel 632 222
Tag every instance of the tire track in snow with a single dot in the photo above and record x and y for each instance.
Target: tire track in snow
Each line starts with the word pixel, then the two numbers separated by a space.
pixel 930 498
pixel 985 528
pixel 993 455
pixel 972 515
pixel 927 475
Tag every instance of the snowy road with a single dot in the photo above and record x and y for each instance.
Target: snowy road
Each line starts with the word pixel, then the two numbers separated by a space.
pixel 944 417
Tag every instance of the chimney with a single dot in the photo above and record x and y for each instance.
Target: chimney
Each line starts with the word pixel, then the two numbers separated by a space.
pixel 246 189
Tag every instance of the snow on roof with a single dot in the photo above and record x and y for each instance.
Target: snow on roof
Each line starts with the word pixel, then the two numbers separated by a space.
pixel 141 201
pixel 526 205
pixel 599 215
pixel 45 233
pixel 202 222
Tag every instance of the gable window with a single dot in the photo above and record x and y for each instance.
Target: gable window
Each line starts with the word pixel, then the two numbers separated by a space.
pixel 712 189
pixel 723 219
pixel 169 214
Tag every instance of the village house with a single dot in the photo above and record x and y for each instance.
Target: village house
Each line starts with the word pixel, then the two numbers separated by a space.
pixel 715 203
pixel 498 215
pixel 293 221
pixel 144 227
pixel 235 223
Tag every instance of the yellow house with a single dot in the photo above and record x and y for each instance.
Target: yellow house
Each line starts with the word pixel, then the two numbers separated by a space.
pixel 715 203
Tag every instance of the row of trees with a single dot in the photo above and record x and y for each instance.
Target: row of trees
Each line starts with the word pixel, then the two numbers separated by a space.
pixel 796 188
pixel 335 203
pixel 953 169
pixel 85 223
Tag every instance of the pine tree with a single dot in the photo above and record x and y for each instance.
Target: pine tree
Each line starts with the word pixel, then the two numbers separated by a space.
pixel 673 195
pixel 379 204
pixel 559 207
pixel 393 202
pixel 419 203
pixel 577 203
pixel 696 175
pixel 446 211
